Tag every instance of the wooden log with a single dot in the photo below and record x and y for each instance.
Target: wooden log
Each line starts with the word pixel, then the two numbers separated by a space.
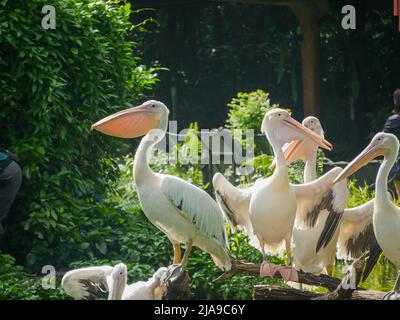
pixel 346 290
pixel 322 280
pixel 349 283
pixel 266 292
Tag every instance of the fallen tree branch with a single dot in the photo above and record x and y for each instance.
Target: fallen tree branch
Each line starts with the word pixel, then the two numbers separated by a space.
pixel 322 280
pixel 264 292
pixel 346 290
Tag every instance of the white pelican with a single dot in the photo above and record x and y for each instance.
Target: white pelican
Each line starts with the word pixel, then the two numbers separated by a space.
pixel 386 216
pixel 313 212
pixel 273 202
pixel 185 213
pixel 351 234
pixel 87 283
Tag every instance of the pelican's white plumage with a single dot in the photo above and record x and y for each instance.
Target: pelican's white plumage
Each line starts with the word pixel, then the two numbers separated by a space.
pixel 86 283
pixel 348 233
pixel 273 202
pixel 386 216
pixel 202 213
pixel 74 286
pixel 277 197
pixel 185 213
pixel 318 201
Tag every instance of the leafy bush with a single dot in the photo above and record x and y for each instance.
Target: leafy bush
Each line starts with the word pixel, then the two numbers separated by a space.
pixel 247 110
pixel 16 284
pixel 54 84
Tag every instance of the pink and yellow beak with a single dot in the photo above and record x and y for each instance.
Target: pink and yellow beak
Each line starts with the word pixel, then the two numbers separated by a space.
pixel 292 151
pixel 129 123
pixel 295 149
pixel 369 153
pixel 304 131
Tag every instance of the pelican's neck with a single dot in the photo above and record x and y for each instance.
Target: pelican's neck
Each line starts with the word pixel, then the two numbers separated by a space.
pixel 141 168
pixel 116 291
pixel 281 169
pixel 310 168
pixel 381 189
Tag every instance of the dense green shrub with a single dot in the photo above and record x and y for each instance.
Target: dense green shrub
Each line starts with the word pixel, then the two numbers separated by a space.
pixel 17 284
pixel 247 109
pixel 53 85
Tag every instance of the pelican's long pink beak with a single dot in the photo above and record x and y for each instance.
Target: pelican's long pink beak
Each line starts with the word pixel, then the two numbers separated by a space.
pixel 292 151
pixel 304 131
pixel 129 123
pixel 368 154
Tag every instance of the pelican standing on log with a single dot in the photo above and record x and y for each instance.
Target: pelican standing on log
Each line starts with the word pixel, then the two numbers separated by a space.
pixel 183 212
pixel 314 212
pixel 351 234
pixel 88 283
pixel 273 202
pixel 386 216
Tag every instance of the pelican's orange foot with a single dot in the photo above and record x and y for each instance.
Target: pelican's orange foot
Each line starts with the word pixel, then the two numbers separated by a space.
pixel 268 269
pixel 289 273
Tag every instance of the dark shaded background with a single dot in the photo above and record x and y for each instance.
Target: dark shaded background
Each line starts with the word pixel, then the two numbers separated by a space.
pixel 214 49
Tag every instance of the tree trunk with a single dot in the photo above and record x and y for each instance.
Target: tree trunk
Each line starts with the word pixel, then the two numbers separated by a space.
pixel 309 17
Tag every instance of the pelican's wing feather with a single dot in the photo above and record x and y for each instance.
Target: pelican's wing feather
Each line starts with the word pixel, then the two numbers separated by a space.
pixel 321 195
pixel 356 231
pixel 197 206
pixel 233 202
pixel 86 283
pixel 357 236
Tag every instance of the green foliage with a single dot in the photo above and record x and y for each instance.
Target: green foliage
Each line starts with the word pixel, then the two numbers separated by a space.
pixel 54 84
pixel 16 284
pixel 247 110
pixel 358 195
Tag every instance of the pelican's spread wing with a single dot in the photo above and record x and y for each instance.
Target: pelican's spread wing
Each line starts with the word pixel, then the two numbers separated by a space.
pixel 234 202
pixel 357 236
pixel 86 283
pixel 197 206
pixel 321 195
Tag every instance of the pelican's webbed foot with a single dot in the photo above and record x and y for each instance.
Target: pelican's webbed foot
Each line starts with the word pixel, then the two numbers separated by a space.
pixel 268 269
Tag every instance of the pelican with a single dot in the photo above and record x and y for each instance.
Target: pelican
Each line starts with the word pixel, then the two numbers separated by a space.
pixel 87 283
pixel 352 234
pixel 183 212
pixel 273 202
pixel 386 216
pixel 313 212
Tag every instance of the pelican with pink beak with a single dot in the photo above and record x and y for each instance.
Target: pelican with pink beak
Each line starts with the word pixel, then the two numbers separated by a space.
pixel 273 202
pixel 324 228
pixel 183 212
pixel 310 254
pixel 386 216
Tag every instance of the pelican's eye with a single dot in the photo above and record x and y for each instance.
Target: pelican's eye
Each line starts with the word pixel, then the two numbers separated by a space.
pixel 153 106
